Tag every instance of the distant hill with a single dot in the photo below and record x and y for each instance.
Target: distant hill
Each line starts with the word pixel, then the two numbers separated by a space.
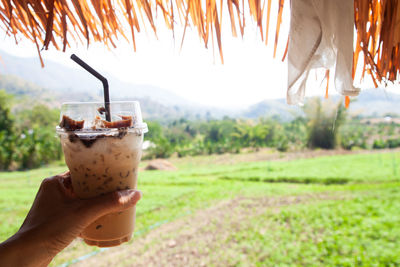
pixel 28 94
pixel 37 94
pixel 272 108
pixel 74 82
pixel 56 84
pixel 376 102
pixel 370 102
pixel 18 86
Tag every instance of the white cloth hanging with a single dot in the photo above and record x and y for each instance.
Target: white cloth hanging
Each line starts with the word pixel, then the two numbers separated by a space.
pixel 320 36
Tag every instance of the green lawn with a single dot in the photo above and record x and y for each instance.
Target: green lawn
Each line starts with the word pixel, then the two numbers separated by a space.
pixel 360 230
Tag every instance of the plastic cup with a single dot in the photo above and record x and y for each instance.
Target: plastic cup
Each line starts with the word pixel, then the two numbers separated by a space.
pixel 103 160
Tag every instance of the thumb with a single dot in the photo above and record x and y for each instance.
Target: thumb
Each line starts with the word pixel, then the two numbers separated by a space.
pixel 96 207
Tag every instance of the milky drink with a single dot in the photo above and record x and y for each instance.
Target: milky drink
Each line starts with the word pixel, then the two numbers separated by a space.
pixel 103 160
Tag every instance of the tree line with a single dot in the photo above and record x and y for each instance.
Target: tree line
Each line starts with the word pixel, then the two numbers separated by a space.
pixel 28 139
pixel 324 125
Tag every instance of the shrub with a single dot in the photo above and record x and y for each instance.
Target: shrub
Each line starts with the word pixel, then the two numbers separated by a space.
pixel 323 123
pixel 393 143
pixel 379 144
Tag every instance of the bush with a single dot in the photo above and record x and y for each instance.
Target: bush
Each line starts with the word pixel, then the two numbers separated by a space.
pixel 282 144
pixel 324 122
pixel 379 144
pixel 162 149
pixel 393 143
pixel 27 139
pixel 7 145
pixel 36 147
pixel 353 137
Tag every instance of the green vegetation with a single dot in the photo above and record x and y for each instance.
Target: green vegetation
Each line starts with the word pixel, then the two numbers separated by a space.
pixel 27 138
pixel 322 170
pixel 325 125
pixel 324 122
pixel 361 133
pixel 190 138
pixel 336 210
pixel 371 179
pixel 360 231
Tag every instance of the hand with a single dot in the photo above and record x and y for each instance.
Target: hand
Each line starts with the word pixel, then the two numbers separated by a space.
pixel 56 218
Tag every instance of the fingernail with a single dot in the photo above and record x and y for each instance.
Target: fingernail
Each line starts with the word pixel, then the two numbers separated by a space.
pixel 130 193
pixel 127 192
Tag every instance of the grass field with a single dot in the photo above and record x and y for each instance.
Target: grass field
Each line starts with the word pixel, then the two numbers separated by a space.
pixel 353 221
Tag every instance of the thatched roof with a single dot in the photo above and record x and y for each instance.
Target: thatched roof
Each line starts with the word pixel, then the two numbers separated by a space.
pixel 58 22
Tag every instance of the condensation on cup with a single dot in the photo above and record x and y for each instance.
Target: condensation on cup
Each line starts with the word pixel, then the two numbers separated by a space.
pixel 103 157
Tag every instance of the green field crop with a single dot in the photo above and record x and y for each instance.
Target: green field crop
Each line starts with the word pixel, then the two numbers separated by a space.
pixel 173 194
pixel 362 231
pixel 326 170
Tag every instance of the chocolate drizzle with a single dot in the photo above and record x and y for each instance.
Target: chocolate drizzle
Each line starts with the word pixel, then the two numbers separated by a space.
pixel 88 139
pixel 126 121
pixel 72 137
pixel 71 125
pixel 101 110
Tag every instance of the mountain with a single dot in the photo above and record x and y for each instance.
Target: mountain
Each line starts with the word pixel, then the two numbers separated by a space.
pixel 272 108
pixel 370 102
pixel 56 83
pixel 376 102
pixel 75 82
pixel 18 86
pixel 29 94
pixel 33 93
pixel 59 83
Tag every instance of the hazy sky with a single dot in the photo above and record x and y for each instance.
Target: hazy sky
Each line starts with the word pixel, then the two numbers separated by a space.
pixel 249 75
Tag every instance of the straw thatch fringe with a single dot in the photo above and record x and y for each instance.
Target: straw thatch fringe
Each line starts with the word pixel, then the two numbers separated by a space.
pixel 57 22
pixel 378 38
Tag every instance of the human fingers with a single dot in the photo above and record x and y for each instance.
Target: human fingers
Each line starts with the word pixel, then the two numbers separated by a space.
pixel 94 208
pixel 65 174
pixel 65 183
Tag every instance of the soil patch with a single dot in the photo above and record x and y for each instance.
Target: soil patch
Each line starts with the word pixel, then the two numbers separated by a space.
pixel 160 164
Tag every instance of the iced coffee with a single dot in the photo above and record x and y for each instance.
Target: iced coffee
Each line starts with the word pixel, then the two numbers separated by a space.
pixel 102 157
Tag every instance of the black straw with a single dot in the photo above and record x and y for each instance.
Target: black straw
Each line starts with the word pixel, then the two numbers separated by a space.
pixel 101 78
